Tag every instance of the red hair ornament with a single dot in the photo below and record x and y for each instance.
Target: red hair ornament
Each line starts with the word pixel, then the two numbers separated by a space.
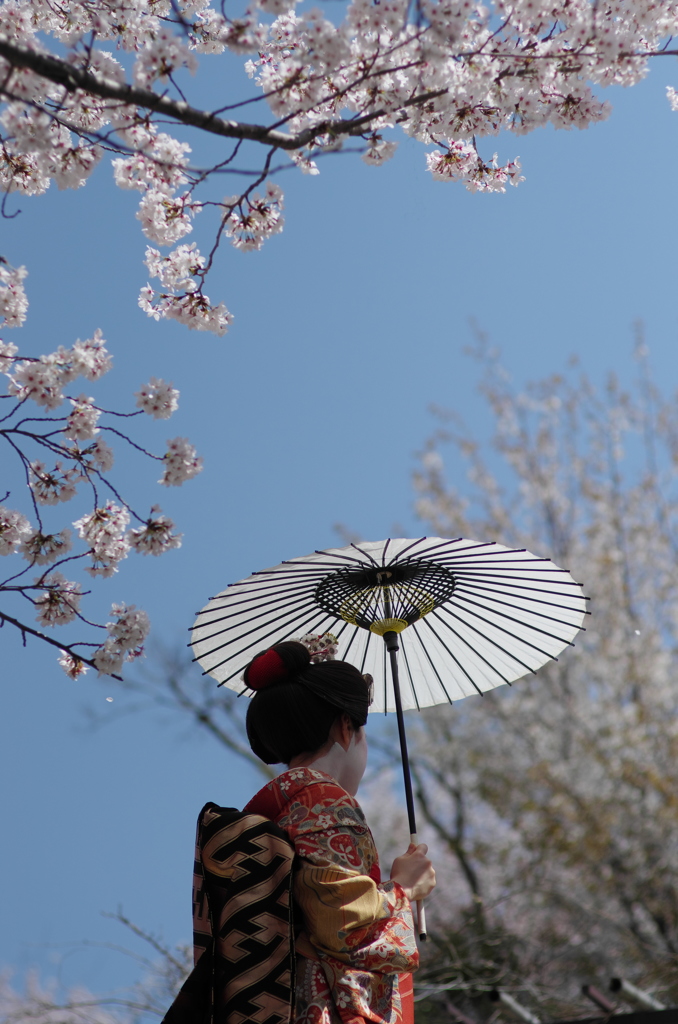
pixel 266 669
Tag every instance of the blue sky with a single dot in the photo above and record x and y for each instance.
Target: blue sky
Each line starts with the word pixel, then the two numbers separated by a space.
pixel 308 413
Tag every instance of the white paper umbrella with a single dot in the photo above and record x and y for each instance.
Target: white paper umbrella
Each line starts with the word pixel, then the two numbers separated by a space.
pixel 467 617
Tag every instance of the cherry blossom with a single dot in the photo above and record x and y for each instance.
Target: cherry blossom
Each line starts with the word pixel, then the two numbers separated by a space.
pixel 166 219
pixel 72 665
pixel 76 457
pixel 158 399
pixel 81 423
pixel 37 379
pixel 103 531
pixel 448 74
pixel 51 487
pixel 130 628
pixel 181 462
pixel 184 301
pixel 262 217
pixel 59 602
pixel 192 309
pixel 378 151
pixel 155 536
pixel 13 301
pixel 99 455
pixel 7 353
pixel 125 640
pixel 14 528
pixel 89 358
pixel 42 549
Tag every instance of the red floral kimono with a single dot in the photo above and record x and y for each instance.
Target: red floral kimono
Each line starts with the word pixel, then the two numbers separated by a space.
pixel 358 933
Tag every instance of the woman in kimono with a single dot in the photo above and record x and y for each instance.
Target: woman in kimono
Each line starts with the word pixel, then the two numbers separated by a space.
pixel 357 947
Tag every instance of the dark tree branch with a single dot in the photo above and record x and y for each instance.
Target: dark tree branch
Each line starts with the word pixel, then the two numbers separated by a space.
pixel 24 629
pixel 72 79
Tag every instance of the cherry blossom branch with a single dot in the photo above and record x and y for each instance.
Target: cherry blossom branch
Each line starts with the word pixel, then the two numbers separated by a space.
pixel 69 649
pixel 71 78
pixel 82 456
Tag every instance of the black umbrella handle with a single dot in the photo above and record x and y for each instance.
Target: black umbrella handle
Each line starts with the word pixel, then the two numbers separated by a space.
pixel 391 641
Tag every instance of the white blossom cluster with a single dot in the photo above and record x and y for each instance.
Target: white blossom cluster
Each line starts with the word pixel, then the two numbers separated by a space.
pixel 448 73
pixel 182 462
pixel 81 424
pixel 75 457
pixel 13 302
pixel 125 639
pixel 183 300
pixel 103 530
pixel 155 536
pixel 263 218
pixel 59 602
pixel 158 399
pixel 44 379
pixel 14 528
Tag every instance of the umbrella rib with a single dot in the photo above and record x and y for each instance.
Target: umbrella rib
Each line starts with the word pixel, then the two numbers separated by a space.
pixel 279 626
pixel 510 567
pixel 307 570
pixel 493 668
pixel 454 657
pixel 259 587
pixel 522 586
pixel 425 551
pixel 333 565
pixel 473 587
pixel 277 599
pixel 399 559
pixel 511 561
pixel 517 564
pixel 344 625
pixel 279 595
pixel 500 576
pixel 432 664
pixel 535 629
pixel 301 625
pixel 298 606
pixel 501 629
pixel 383 553
pixel 471 546
pixel 367 555
pixel 409 676
pixel 367 644
pixel 354 634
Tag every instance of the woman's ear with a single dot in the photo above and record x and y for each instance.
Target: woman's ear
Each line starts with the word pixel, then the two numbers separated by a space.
pixel 342 731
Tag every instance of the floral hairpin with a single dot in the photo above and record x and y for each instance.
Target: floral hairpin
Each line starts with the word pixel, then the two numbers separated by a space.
pixel 321 646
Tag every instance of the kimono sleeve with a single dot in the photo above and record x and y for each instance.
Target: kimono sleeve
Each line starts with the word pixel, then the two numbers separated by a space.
pixel 347 914
pixel 351 918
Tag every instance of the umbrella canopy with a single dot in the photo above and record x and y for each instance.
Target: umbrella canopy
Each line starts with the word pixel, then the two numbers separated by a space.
pixel 469 616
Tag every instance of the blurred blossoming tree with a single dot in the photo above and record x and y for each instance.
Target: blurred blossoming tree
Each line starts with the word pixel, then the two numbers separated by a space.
pixel 557 799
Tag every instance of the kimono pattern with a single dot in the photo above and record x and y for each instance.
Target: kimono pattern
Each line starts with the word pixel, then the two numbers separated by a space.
pixel 358 934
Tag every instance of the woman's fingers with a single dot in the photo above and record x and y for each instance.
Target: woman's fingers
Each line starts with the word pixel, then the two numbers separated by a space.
pixel 414 872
